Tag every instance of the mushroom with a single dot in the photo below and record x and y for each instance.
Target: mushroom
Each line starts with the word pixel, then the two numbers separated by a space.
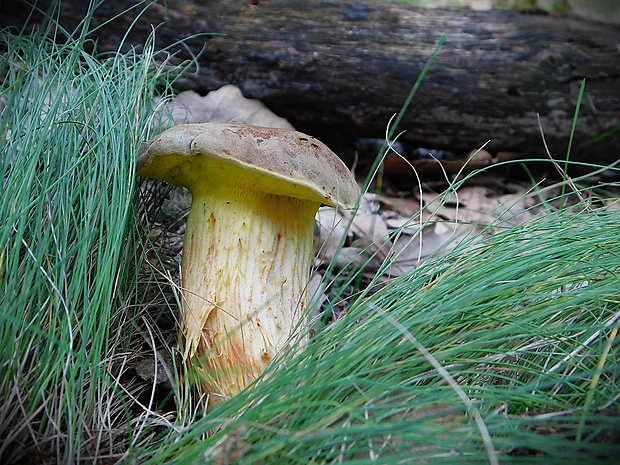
pixel 248 241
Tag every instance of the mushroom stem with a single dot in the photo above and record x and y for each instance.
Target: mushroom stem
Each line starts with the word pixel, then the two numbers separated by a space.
pixel 246 263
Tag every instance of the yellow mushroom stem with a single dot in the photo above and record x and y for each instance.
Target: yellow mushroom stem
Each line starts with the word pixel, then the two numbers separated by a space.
pixel 245 268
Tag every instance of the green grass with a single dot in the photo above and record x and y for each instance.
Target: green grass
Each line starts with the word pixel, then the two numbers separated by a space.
pixel 504 349
pixel 69 132
pixel 500 348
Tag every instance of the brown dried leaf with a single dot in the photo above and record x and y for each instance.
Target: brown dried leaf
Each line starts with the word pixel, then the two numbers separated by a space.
pixel 225 104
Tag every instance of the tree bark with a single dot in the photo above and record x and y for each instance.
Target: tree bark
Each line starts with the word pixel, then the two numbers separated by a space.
pixel 339 69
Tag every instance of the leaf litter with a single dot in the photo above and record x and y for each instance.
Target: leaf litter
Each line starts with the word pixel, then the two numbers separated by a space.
pixel 400 227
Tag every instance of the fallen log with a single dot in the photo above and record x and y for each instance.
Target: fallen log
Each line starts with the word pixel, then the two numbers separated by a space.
pixel 340 69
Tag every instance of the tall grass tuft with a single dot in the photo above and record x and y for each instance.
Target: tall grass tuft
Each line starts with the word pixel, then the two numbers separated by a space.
pixel 505 350
pixel 70 128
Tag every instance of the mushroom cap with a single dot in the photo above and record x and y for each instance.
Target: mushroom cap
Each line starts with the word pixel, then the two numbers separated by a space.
pixel 272 160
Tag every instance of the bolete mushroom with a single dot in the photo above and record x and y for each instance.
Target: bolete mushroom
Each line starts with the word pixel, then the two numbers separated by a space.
pixel 248 241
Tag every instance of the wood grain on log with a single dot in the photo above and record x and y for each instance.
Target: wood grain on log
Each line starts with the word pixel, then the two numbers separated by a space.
pixel 339 69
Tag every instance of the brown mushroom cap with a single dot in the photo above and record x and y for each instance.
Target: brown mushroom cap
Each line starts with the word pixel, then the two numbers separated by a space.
pixel 271 160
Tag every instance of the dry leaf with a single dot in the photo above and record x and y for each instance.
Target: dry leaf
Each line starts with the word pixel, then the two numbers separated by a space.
pixel 225 104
